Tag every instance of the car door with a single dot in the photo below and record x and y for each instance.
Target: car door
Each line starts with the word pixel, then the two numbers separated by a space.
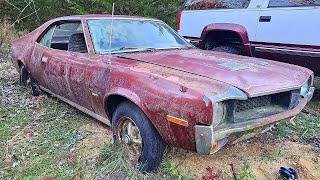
pixel 288 32
pixel 60 59
pixel 290 22
pixel 48 68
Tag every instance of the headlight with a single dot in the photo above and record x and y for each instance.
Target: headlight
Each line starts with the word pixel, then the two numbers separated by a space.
pixel 306 87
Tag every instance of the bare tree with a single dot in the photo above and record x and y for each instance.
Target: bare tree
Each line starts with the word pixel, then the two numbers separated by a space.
pixel 29 4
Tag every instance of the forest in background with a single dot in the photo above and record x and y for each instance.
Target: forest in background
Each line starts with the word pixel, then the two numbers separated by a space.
pixel 29 14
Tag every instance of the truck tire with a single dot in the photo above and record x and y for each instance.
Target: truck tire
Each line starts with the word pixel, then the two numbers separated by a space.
pixel 133 130
pixel 23 76
pixel 227 49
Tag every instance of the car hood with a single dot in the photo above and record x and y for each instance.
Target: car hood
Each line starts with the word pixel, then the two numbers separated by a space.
pixel 254 76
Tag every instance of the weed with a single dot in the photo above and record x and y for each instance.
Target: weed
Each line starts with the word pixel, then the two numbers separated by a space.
pixel 172 170
pixel 317 82
pixel 12 121
pixel 114 165
pixel 305 126
pixel 246 173
pixel 274 156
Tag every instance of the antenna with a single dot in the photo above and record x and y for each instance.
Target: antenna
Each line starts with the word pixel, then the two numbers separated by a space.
pixel 111 31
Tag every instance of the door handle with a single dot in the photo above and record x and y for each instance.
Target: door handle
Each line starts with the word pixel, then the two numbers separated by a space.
pixel 94 94
pixel 265 19
pixel 44 59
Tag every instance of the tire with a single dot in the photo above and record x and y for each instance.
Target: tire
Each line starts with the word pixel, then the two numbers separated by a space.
pixel 23 76
pixel 227 49
pixel 153 146
pixel 35 89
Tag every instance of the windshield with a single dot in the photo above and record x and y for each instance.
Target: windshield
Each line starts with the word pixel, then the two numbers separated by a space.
pixel 133 35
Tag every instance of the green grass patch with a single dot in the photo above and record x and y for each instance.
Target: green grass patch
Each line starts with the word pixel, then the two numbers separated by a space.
pixel 114 164
pixel 172 171
pixel 246 173
pixel 12 121
pixel 305 126
pixel 317 82
pixel 49 150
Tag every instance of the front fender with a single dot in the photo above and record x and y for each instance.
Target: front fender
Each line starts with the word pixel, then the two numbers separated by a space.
pixel 128 94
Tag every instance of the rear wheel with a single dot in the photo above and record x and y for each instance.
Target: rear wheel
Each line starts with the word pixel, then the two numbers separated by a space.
pixel 26 79
pixel 35 89
pixel 217 46
pixel 23 76
pixel 227 49
pixel 133 131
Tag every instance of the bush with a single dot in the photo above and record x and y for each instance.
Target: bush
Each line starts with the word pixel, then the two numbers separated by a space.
pixel 8 33
pixel 32 13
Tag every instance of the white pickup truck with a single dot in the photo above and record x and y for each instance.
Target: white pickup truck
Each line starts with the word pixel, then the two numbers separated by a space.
pixel 282 30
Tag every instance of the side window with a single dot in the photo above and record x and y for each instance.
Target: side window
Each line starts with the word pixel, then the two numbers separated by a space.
pixel 216 4
pixel 293 3
pixel 67 36
pixel 46 39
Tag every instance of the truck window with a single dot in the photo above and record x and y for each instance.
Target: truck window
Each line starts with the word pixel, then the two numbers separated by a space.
pixel 293 3
pixel 215 4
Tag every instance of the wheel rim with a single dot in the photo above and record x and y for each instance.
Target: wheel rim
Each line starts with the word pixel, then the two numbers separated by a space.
pixel 130 137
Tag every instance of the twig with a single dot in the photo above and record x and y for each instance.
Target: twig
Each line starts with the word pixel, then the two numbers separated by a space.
pixel 18 18
pixel 7 1
pixel 310 111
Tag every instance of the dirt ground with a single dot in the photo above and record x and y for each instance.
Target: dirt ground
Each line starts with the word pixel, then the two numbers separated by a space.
pixel 265 154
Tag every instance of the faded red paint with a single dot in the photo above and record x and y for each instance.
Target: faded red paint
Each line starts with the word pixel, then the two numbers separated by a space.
pixel 166 82
pixel 236 28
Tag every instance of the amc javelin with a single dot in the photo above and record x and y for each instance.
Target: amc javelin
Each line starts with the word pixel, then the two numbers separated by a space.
pixel 153 88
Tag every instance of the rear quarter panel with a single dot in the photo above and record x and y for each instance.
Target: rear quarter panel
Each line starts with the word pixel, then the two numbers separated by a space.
pixel 21 49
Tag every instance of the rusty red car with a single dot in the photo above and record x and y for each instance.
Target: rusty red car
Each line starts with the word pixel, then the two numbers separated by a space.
pixel 152 87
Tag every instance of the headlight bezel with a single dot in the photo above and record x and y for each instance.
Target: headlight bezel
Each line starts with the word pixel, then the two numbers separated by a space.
pixel 305 88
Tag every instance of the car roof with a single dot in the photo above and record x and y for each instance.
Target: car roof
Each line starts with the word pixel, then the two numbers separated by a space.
pixel 101 16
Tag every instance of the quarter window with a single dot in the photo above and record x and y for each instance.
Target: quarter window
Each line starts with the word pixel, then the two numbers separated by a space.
pixel 67 36
pixel 46 40
pixel 216 4
pixel 293 3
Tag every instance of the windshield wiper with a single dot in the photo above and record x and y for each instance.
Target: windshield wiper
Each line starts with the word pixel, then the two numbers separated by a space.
pixel 148 49
pixel 124 48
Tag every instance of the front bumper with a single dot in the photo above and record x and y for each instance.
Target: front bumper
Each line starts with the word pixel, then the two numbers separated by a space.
pixel 210 139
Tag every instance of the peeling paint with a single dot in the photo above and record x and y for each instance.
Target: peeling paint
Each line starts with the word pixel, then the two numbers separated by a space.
pixel 181 83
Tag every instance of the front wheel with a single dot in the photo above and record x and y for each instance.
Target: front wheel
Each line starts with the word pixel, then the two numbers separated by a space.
pixel 141 141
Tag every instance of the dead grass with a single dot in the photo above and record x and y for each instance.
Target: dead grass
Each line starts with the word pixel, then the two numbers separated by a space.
pixel 7 33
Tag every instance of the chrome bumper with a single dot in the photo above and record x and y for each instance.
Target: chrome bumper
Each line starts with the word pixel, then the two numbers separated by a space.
pixel 207 136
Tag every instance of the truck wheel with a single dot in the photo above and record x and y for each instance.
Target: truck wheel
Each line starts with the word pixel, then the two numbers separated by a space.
pixel 142 143
pixel 23 76
pixel 227 49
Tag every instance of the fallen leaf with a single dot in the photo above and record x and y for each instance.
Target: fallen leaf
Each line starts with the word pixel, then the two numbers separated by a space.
pixel 7 169
pixel 211 174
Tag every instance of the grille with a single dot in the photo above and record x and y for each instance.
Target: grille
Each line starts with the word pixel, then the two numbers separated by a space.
pixel 253 103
